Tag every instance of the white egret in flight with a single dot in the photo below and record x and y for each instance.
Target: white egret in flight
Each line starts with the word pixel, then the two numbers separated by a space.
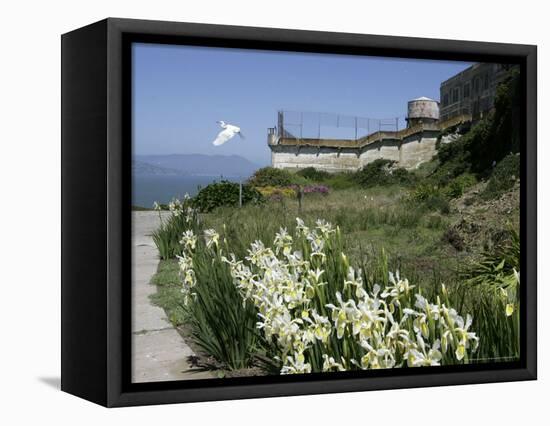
pixel 228 132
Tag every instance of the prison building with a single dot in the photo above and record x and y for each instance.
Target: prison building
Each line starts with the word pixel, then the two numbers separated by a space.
pixel 334 143
pixel 471 93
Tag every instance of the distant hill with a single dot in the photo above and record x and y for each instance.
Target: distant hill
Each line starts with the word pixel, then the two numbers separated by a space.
pixel 194 164
pixel 141 168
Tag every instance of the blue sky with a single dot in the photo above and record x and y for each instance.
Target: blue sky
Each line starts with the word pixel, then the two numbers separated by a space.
pixel 179 92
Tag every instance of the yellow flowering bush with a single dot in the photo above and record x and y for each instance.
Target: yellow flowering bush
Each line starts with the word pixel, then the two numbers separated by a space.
pixel 276 192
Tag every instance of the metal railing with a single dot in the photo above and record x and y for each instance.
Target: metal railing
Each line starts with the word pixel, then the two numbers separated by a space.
pixel 320 125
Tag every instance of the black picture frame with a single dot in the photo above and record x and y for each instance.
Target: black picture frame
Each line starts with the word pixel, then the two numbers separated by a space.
pixel 96 220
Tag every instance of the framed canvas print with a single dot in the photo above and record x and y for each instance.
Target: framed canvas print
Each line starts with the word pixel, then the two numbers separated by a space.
pixel 254 212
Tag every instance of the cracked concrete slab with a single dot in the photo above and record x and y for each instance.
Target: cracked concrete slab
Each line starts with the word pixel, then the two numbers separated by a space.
pixel 159 352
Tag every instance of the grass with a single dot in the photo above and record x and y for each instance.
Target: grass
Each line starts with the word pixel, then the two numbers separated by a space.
pixel 370 220
pixel 169 295
pixel 503 177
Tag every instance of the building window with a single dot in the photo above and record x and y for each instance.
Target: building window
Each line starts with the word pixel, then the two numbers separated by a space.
pixel 455 94
pixel 476 85
pixel 466 90
pixel 486 82
pixel 445 99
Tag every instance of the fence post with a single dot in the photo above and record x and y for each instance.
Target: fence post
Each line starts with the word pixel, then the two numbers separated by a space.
pixel 240 193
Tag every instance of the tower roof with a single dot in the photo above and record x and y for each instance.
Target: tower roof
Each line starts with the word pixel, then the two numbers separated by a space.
pixel 423 98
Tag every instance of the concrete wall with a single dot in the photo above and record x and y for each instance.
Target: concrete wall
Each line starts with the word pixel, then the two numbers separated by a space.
pixel 408 153
pixel 418 149
pixel 387 149
pixel 328 159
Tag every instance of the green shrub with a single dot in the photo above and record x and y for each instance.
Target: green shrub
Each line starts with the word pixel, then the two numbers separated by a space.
pixel 454 159
pixel 504 176
pixel 375 173
pixel 225 193
pixel 503 135
pixel 270 176
pixel 140 209
pixel 340 181
pixel 402 176
pixel 424 191
pixel 312 173
pixel 490 140
pixel 430 197
pixel 381 173
pixel 426 169
pixel 458 185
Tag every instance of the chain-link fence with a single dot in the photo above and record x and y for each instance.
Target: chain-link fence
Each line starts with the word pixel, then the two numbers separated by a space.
pixel 320 125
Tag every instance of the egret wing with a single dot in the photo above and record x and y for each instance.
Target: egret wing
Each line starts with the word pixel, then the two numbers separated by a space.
pixel 233 128
pixel 223 137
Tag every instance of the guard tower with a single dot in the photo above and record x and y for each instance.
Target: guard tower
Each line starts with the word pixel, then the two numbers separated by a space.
pixel 422 111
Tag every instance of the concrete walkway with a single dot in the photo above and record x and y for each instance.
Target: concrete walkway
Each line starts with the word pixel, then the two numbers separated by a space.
pixel 158 351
